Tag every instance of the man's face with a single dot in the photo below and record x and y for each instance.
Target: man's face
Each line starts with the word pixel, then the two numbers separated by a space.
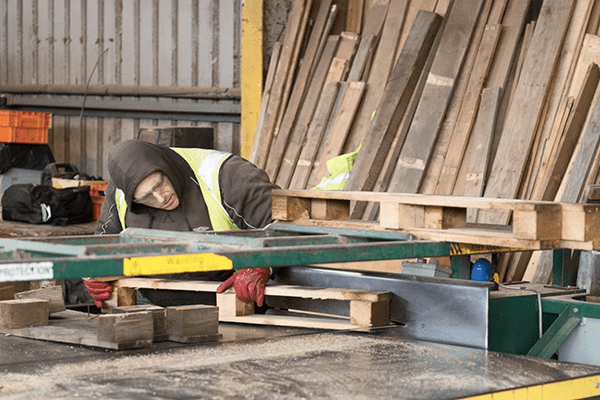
pixel 156 191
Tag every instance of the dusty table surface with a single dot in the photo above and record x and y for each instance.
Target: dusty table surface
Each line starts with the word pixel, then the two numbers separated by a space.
pixel 256 362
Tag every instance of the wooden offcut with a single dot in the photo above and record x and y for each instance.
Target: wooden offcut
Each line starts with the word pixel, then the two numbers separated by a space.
pixel 53 294
pixel 193 323
pixel 23 313
pixel 158 318
pixel 8 290
pixel 128 328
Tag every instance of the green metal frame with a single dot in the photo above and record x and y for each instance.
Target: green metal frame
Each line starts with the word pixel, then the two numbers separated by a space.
pixel 557 333
pixel 279 245
pixel 562 314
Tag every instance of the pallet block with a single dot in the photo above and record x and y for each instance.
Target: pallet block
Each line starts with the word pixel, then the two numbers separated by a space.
pixel 134 329
pixel 53 294
pixel 193 323
pixel 159 318
pixel 8 290
pixel 23 313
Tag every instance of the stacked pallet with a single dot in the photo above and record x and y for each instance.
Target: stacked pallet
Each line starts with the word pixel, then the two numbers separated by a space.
pixel 535 225
pixel 476 98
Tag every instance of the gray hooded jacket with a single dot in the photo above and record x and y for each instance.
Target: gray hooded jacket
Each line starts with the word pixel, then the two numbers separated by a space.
pixel 245 191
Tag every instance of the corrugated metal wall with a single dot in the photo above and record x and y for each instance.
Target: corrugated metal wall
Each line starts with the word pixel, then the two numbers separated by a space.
pixel 146 43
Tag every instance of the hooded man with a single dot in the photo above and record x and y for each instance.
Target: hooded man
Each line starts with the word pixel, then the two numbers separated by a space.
pixel 177 189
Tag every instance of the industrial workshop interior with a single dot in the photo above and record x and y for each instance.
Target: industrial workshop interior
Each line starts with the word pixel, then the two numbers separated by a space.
pixel 300 199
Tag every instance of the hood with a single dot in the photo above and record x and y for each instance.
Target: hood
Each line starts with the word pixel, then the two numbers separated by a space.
pixel 130 161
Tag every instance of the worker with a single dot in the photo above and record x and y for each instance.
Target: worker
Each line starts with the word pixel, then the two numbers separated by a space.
pixel 177 189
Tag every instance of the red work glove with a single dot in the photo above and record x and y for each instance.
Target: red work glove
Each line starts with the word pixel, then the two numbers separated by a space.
pixel 248 283
pixel 99 291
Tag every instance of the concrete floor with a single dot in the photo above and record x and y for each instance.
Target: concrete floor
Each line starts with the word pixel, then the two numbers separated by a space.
pixel 258 362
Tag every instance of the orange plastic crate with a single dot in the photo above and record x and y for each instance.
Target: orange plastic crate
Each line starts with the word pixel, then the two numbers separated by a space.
pixel 97 195
pixel 24 126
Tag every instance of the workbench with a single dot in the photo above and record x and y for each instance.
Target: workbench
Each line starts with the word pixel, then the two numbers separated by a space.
pixel 256 362
pixel 445 339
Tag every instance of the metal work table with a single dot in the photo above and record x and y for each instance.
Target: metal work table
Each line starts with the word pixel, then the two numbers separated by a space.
pixel 270 362
pixel 435 349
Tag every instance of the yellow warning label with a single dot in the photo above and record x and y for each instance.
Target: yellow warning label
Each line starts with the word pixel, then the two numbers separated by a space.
pixel 175 264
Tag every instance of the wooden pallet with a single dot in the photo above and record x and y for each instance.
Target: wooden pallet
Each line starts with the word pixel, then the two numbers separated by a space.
pixel 535 224
pixel 367 309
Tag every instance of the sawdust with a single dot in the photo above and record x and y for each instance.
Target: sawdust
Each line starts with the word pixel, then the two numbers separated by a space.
pixel 60 381
pixel 313 366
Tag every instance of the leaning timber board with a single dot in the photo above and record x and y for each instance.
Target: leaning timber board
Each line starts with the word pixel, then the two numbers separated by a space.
pixel 379 73
pixel 527 105
pixel 395 102
pixel 536 224
pixel 429 115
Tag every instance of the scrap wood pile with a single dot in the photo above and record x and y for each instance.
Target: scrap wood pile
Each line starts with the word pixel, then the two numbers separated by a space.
pixel 479 98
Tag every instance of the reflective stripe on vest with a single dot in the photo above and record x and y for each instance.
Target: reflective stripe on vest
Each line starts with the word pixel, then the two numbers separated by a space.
pixel 206 165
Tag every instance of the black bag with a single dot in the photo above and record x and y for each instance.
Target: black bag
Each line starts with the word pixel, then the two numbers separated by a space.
pixel 40 204
pixel 24 155
pixel 59 170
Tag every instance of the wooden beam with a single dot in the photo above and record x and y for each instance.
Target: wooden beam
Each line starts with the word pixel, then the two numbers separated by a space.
pixel 259 135
pixel 336 135
pixel 574 126
pixel 552 123
pixel 474 167
pixel 314 136
pixel 354 15
pixel 440 149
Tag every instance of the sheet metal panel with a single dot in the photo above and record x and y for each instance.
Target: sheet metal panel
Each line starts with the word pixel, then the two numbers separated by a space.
pixel 123 42
pixel 434 309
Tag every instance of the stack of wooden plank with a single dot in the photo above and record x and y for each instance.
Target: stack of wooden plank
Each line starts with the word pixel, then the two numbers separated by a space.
pixel 476 98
